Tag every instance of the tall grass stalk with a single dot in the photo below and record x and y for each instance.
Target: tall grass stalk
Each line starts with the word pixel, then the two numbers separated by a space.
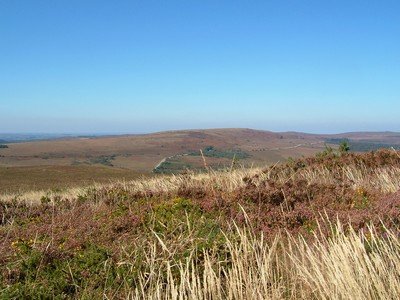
pixel 386 179
pixel 345 265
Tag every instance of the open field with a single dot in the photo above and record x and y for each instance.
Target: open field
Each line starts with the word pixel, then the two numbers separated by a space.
pixel 323 227
pixel 122 156
pixel 70 160
pixel 23 179
pixel 143 152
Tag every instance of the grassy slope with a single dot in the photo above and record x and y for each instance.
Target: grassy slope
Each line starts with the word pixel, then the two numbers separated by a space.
pixel 141 153
pixel 168 236
pixel 82 157
pixel 132 151
pixel 23 179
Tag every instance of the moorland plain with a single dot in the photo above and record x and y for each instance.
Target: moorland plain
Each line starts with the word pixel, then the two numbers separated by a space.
pixel 68 161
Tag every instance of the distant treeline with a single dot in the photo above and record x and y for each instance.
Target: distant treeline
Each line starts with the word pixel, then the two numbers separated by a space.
pixel 211 151
pixel 3 146
pixel 362 146
pixel 175 165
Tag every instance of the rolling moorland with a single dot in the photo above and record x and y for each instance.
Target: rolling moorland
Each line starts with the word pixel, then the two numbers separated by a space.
pixel 322 227
pixel 35 162
pixel 239 221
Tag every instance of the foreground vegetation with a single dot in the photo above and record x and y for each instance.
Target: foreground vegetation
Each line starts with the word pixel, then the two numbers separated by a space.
pixel 316 228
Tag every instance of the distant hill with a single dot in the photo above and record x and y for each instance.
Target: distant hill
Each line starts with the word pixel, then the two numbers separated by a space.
pixel 180 150
pixel 367 141
pixel 25 137
pixel 72 159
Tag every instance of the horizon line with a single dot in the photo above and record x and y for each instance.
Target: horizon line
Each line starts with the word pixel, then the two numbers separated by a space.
pixel 120 133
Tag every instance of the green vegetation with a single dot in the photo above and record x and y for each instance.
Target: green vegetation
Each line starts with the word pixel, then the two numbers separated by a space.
pixel 344 147
pixel 362 146
pixel 328 151
pixel 176 164
pixel 105 160
pixel 3 146
pixel 211 151
pixel 62 265
pixel 172 166
pixel 331 152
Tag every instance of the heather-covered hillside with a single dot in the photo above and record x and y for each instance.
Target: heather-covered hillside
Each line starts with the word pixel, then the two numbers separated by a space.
pixel 318 227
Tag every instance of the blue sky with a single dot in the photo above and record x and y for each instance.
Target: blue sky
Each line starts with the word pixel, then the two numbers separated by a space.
pixel 141 66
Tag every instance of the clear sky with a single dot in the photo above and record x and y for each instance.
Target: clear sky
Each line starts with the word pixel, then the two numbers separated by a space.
pixel 79 66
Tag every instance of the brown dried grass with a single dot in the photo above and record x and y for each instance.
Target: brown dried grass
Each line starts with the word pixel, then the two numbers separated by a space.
pixel 348 265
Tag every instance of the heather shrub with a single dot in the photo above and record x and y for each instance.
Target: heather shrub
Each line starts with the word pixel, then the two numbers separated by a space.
pixel 237 234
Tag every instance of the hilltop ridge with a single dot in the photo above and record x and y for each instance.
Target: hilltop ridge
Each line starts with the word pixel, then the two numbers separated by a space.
pixel 98 158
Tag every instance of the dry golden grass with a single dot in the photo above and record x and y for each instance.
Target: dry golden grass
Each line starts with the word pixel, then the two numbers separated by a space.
pixel 384 179
pixel 159 185
pixel 347 265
